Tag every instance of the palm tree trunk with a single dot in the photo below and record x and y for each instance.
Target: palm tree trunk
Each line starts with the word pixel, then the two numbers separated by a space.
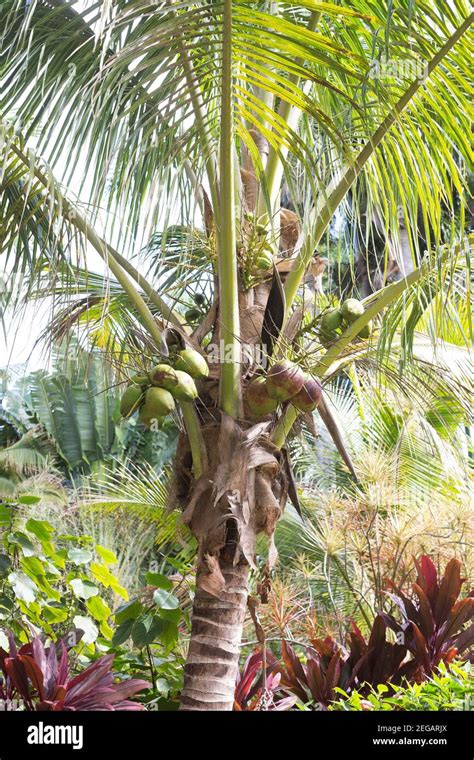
pixel 216 632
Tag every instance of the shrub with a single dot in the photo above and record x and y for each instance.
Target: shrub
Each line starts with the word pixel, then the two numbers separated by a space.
pixel 250 691
pixel 433 631
pixel 451 688
pixel 34 674
pixel 433 623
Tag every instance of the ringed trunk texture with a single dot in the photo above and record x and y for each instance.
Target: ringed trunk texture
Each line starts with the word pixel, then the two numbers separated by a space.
pixel 241 494
pixel 213 657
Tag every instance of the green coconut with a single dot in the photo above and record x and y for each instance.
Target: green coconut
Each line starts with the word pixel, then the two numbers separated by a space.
pixel 140 378
pixel 158 403
pixel 308 398
pixel 256 397
pixel 351 310
pixel 263 262
pixel 193 363
pixel 186 389
pixel 130 400
pixel 330 321
pixel 163 376
pixel 327 338
pixel 284 380
pixel 366 331
pixel 147 419
pixel 193 314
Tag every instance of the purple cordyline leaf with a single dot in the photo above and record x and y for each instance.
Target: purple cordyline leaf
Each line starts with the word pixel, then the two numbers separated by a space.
pixel 34 673
pixel 94 689
pixel 449 590
pixel 63 668
pixel 427 577
pixel 15 670
pixel 464 640
pixel 427 622
pixel 461 613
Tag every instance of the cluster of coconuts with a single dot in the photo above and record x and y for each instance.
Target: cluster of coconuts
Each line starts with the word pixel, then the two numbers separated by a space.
pixel 334 320
pixel 154 393
pixel 262 261
pixel 285 381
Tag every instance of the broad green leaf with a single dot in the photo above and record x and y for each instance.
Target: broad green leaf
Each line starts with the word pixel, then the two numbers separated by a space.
pixel 129 611
pixel 107 556
pixel 98 608
pixel 79 556
pixel 23 587
pixel 33 566
pixel 123 632
pixel 167 631
pixel 42 529
pixel 165 600
pixel 83 589
pixel 5 563
pixel 87 625
pixel 5 515
pixel 161 581
pixel 146 630
pixel 22 540
pixel 54 614
pixel 29 499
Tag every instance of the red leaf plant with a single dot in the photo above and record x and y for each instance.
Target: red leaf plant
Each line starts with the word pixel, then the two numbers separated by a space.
pixel 329 665
pixel 252 694
pixel 434 621
pixel 35 674
pixel 433 630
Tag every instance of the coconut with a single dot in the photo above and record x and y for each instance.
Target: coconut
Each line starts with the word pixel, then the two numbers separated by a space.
pixel 330 321
pixel 141 378
pixel 263 262
pixel 193 363
pixel 193 314
pixel 366 331
pixel 186 389
pixel 158 403
pixel 257 399
pixel 163 376
pixel 309 396
pixel 351 310
pixel 131 400
pixel 284 380
pixel 327 337
pixel 147 419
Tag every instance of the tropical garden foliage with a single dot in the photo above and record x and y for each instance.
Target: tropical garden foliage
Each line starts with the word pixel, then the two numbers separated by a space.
pixel 241 476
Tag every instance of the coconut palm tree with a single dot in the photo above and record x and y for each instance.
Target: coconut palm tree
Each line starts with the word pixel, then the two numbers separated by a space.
pixel 197 118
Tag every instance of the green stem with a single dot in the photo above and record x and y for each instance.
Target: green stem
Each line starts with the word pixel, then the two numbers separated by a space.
pixel 229 388
pixel 196 441
pixel 166 311
pixel 334 195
